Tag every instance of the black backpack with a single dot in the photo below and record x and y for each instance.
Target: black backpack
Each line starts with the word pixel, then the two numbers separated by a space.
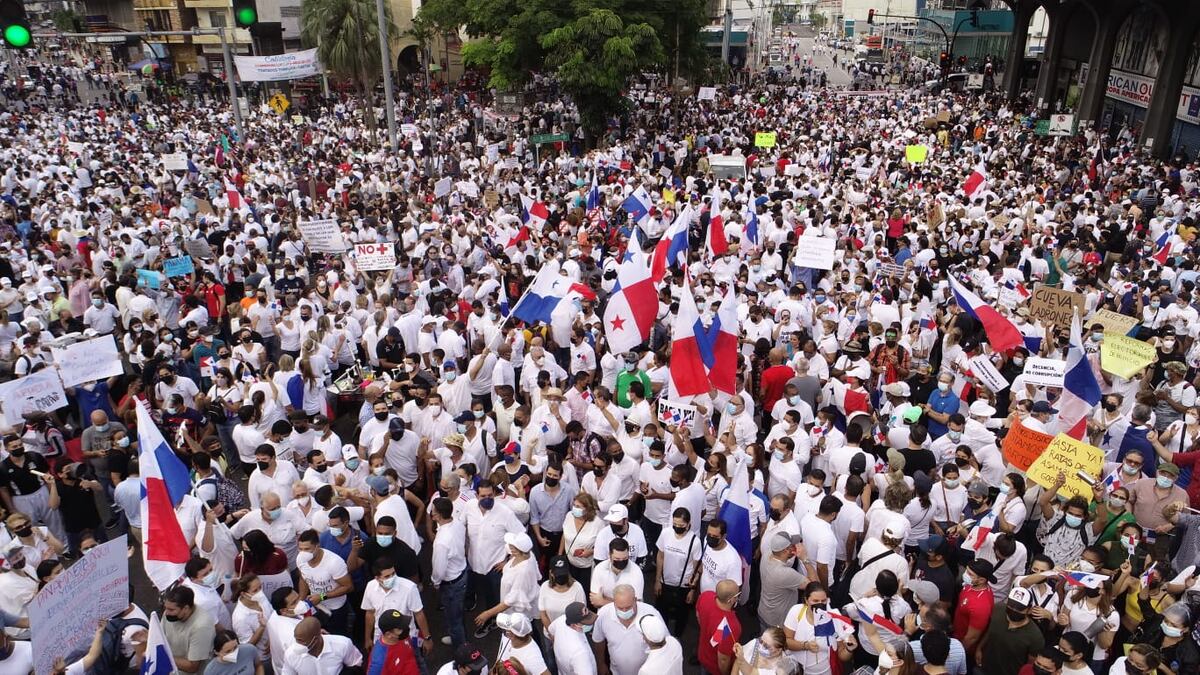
pixel 111 661
pixel 228 492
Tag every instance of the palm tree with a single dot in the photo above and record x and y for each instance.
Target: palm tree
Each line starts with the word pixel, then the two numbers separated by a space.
pixel 346 35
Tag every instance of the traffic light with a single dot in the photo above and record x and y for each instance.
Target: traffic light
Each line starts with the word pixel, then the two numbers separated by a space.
pixel 975 18
pixel 962 60
pixel 870 16
pixel 14 25
pixel 944 60
pixel 245 13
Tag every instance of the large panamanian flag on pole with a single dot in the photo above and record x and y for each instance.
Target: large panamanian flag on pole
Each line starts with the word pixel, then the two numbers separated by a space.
pixel 715 240
pixel 735 511
pixel 672 249
pixel 548 289
pixel 158 660
pixel 633 305
pixel 976 180
pixel 165 482
pixel 689 376
pixel 1001 332
pixel 1081 392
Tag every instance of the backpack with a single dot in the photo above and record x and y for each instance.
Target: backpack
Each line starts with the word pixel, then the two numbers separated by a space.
pixel 228 493
pixel 111 661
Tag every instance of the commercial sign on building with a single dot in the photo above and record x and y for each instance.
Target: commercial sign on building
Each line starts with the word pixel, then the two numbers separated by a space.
pixel 1139 89
pixel 289 66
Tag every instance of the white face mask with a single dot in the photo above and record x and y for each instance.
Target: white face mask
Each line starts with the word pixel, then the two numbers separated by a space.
pixel 231 657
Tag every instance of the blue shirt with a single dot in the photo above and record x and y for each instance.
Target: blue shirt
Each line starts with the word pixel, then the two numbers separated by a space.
pixel 331 543
pixel 947 403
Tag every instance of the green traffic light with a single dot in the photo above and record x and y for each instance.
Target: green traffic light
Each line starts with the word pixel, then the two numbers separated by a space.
pixel 17 36
pixel 246 16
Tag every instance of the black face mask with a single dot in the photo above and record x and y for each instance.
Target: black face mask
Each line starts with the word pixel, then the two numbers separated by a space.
pixel 1110 407
pixel 560 579
pixel 381 416
pixel 24 531
pixel 1038 670
pixel 320 469
pixel 1092 592
pixel 17 452
pixel 620 564
pixel 395 435
pixel 599 470
pixel 551 482
pixel 820 605
pixel 1015 615
pixel 680 530
pixel 169 379
pixel 263 466
pixel 962 463
pixel 713 541
pixel 618 530
pixel 617 457
pixel 170 618
pixel 776 514
pixel 676 483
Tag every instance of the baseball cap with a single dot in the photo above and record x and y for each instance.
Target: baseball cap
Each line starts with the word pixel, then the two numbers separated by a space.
pixel 936 543
pixel 379 484
pixel 559 565
pixel 1169 467
pixel 984 569
pixel 1044 407
pixel 577 612
pixel 912 414
pixel 925 591
pixel 519 541
pixel 469 656
pixel 514 622
pixel 1019 597
pixel 392 620
pixel 616 513
pixel 653 628
pixel 782 540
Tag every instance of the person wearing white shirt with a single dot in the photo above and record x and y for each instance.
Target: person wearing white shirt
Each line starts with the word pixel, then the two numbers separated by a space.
pixel 449 567
pixel 390 591
pixel 289 609
pixel 324 579
pixel 618 629
pixel 487 524
pixel 621 528
pixel 787 469
pixel 272 475
pixel 665 655
pixel 317 653
pixel 781 519
pixel 203 580
pixel 573 652
pixel 281 526
pixel 617 570
pixel 719 560
pixel 820 542
pixel 519 583
pixel 517 643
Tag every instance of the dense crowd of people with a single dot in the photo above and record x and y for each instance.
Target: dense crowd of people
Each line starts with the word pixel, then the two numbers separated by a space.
pixel 390 470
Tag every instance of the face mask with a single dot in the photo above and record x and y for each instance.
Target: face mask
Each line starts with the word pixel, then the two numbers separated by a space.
pixel 1085 566
pixel 967 579
pixel 302 609
pixel 655 462
pixel 275 513
pixel 381 416
pixel 620 564
pixel 1015 615
pixel 955 436
pixel 1171 631
pixel 1096 337
pixel 617 458
pixel 885 662
pixel 599 470
pixel 1004 488
pixel 943 386
pixel 173 619
pixel 123 442
pixel 435 410
pixel 586 628
pixel 1109 406
pixel 779 455
pixel 626 614
pixel 1190 418
pixel 559 579
pixel 679 530
pixel 461 428
pixel 486 503
pixel 1116 503
pixel 764 651
pixel 17 452
pixel 1092 592
pixel 1164 482
pixel 378 471
pixel 1168 345
pixel 577 512
pixel 793 400
pixel 24 531
pixel 303 558
pixel 388 583
pixel 450 376
pixel 1131 470
pixel 1018 362
pixel 631 367
pixel 384 540
pixel 1073 521
pixel 478 414
pixel 263 466
pixel 819 299
pixel 950 483
pixel 303 501
pixel 231 657
pixel 731 409
pixel 647 441
pixel 713 541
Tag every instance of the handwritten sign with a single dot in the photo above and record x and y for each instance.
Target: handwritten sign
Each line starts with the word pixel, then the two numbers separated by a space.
pixel 1022 446
pixel 675 413
pixel 179 267
pixel 198 248
pixel 916 154
pixel 323 235
pixel 890 270
pixel 1067 456
pixel 706 94
pixel 175 161
pixel 63 615
pixel 88 361
pixel 40 391
pixel 1113 322
pixel 491 199
pixel 1124 356
pixel 985 371
pixel 443 187
pixel 1054 306
pixel 149 278
pixel 815 252
pixel 1044 372
pixel 764 139
pixel 373 257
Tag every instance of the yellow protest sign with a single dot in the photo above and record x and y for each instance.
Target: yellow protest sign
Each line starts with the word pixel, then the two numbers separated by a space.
pixel 916 154
pixel 1114 323
pixel 1067 456
pixel 278 103
pixel 1125 356
pixel 764 139
pixel 668 195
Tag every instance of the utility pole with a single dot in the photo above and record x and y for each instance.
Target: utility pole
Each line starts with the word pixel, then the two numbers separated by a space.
pixel 233 99
pixel 386 61
pixel 725 36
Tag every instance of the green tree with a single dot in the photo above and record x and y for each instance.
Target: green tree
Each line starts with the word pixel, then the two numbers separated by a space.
pixel 818 20
pixel 346 35
pixel 67 20
pixel 594 56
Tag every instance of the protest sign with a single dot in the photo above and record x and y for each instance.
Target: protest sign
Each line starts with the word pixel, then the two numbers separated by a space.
pixel 178 267
pixel 815 252
pixel 204 207
pixel 1023 445
pixel 175 161
pixel 40 391
pixel 373 257
pixel 468 188
pixel 1044 372
pixel 706 94
pixel 668 195
pixel 674 413
pixel 322 236
pixel 1010 298
pixel 983 369
pixel 410 130
pixel 491 198
pixel 88 361
pixel 1113 322
pixel 287 66
pixel 198 248
pixel 1125 356
pixel 764 139
pixel 443 187
pixel 1054 306
pixel 916 154
pixel 1067 456
pixel 64 614
pixel 891 270
pixel 149 278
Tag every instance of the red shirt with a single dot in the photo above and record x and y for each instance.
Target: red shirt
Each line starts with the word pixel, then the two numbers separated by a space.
pixel 974 611
pixel 212 300
pixel 774 379
pixel 715 638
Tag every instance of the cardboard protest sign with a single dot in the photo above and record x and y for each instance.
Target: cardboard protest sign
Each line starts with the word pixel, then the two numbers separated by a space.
pixel 178 267
pixel 1124 356
pixel 1068 456
pixel 88 361
pixel 149 278
pixel 815 252
pixel 322 236
pixel 985 371
pixel 674 413
pixel 491 198
pixel 40 391
pixel 373 257
pixel 916 154
pixel 1053 306
pixel 1023 445
pixel 1113 322
pixel 1044 372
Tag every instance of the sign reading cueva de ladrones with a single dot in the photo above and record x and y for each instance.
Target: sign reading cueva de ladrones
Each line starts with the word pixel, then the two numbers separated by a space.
pixel 322 236
pixel 374 257
pixel 289 66
pixel 1054 306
